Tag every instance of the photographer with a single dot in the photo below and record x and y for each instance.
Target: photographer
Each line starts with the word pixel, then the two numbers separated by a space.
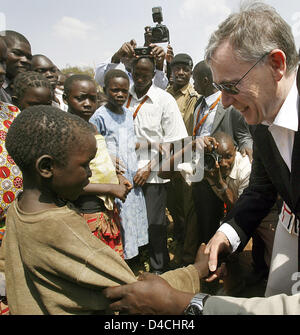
pixel 123 58
pixel 231 171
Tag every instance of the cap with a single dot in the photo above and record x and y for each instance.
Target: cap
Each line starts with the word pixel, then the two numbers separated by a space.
pixel 182 58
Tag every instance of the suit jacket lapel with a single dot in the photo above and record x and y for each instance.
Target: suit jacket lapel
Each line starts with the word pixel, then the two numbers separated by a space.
pixel 276 167
pixel 220 112
pixel 295 169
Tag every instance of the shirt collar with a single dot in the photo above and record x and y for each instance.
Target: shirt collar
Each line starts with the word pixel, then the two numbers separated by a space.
pixel 212 98
pixel 287 116
pixel 185 88
pixel 151 93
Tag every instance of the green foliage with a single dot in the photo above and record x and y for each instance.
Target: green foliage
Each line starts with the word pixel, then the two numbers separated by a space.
pixel 79 70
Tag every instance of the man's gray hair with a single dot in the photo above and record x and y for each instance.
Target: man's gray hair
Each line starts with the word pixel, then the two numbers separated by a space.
pixel 256 30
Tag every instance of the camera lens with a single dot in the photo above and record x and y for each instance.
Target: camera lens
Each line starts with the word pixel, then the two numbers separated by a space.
pixel 209 162
pixel 157 33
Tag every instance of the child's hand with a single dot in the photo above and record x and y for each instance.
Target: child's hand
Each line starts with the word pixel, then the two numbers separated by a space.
pixel 120 191
pixel 201 262
pixel 126 182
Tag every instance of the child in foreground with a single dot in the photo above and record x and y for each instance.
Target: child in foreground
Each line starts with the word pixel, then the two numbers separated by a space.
pixel 53 264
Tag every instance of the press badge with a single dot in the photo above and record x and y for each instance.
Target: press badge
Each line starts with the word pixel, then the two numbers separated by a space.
pixel 289 220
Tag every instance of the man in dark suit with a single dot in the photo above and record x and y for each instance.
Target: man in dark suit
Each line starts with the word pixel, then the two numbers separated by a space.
pixel 209 208
pixel 259 79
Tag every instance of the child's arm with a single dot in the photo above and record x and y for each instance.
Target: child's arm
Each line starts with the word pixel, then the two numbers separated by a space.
pixel 116 190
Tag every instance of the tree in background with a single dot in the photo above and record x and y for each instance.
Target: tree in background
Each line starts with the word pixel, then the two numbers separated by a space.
pixel 79 70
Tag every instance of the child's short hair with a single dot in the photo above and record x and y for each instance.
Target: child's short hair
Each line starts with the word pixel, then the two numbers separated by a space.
pixel 29 79
pixel 45 130
pixel 76 77
pixel 115 73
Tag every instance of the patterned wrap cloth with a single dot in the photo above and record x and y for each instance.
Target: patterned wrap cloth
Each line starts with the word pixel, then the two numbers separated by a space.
pixel 11 183
pixel 11 180
pixel 105 225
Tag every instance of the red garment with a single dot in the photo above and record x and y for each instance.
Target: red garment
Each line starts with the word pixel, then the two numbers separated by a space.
pixel 106 227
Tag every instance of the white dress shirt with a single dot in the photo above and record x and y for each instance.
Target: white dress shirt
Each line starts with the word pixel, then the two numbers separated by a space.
pixel 205 129
pixel 158 120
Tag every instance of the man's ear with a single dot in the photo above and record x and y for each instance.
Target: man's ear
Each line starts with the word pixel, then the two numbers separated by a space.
pixel 64 96
pixel 44 166
pixel 205 81
pixel 277 60
pixel 298 80
pixel 15 100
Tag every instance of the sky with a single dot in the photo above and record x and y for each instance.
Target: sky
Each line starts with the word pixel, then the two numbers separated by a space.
pixel 86 32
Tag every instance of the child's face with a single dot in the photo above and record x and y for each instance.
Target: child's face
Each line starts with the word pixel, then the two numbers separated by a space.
pixel 82 99
pixel 68 181
pixel 117 90
pixel 35 96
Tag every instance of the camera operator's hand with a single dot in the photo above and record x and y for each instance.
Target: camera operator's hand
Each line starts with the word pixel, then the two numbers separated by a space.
pixel 126 51
pixel 210 143
pixel 214 177
pixel 159 55
pixel 169 54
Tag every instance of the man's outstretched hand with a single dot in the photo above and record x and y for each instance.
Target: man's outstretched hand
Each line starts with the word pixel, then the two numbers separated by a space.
pixel 218 245
pixel 150 295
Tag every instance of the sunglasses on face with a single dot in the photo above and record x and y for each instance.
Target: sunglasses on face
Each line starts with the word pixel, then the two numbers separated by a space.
pixel 231 88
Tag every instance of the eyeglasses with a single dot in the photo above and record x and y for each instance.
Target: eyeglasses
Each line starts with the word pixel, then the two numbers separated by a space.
pixel 231 88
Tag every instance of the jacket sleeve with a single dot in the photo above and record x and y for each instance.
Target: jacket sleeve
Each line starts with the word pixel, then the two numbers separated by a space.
pixel 254 203
pixel 275 305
